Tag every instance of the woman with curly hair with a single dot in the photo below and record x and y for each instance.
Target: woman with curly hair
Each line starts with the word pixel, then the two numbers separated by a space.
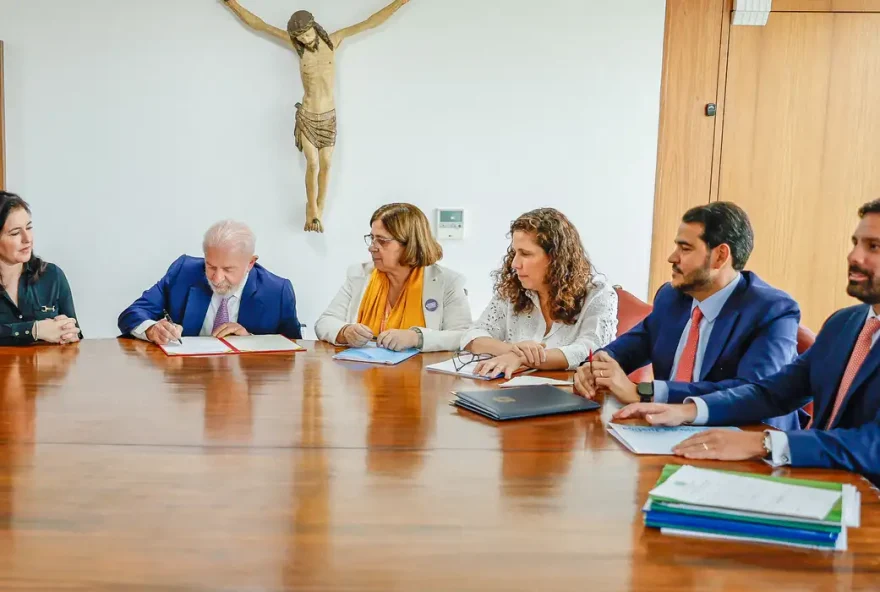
pixel 550 307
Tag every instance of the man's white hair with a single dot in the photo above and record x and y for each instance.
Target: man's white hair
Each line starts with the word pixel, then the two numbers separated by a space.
pixel 229 234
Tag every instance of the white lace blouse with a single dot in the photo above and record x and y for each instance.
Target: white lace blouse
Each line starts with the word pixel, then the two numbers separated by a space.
pixel 595 328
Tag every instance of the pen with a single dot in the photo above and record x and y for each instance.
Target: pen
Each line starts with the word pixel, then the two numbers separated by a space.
pixel 591 368
pixel 168 318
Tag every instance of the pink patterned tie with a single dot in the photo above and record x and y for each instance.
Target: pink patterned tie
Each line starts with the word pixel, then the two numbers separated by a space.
pixel 860 352
pixel 222 314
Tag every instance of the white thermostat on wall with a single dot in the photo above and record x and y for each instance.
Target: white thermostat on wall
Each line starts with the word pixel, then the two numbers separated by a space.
pixel 450 223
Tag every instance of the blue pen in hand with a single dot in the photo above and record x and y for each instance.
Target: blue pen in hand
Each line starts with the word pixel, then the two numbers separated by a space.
pixel 168 318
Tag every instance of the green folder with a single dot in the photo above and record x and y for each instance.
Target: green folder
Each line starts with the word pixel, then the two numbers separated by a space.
pixel 741 517
pixel 834 518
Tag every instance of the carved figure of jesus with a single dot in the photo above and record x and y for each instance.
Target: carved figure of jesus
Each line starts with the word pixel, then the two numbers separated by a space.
pixel 315 130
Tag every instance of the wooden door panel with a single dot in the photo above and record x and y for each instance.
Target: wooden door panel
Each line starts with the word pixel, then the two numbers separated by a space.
pixel 801 146
pixel 691 54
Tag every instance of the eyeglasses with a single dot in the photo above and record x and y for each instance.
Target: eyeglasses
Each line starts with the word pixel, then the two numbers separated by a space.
pixel 463 358
pixel 380 241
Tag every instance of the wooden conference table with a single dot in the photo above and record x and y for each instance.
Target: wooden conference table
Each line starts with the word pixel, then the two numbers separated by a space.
pixel 121 469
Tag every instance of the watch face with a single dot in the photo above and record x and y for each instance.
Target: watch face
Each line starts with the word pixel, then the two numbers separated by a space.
pixel 645 389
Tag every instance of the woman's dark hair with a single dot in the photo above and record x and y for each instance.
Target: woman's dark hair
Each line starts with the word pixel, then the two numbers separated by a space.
pixel 9 202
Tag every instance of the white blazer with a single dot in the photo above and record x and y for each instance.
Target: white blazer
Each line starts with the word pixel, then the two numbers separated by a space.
pixel 444 302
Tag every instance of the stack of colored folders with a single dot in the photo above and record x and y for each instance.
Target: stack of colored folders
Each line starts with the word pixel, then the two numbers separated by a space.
pixel 727 505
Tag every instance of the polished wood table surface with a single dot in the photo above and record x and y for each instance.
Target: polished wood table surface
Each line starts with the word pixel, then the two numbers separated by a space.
pixel 122 469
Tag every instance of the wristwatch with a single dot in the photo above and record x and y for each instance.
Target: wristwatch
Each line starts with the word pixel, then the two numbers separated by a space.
pixel 768 445
pixel 646 392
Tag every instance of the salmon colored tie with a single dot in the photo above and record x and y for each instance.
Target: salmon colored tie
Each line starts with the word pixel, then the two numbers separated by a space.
pixel 860 352
pixel 685 370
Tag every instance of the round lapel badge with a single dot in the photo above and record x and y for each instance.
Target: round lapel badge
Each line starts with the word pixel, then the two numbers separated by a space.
pixel 431 305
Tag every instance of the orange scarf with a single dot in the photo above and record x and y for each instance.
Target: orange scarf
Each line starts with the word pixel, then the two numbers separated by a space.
pixel 405 313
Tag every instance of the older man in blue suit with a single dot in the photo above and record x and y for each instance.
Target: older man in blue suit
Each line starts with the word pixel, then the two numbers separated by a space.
pixel 713 326
pixel 840 374
pixel 225 293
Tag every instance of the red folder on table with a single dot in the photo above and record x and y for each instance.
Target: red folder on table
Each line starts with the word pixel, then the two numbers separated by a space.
pixel 233 344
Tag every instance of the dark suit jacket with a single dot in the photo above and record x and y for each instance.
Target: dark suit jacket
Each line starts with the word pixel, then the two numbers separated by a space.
pixel 853 442
pixel 268 304
pixel 755 336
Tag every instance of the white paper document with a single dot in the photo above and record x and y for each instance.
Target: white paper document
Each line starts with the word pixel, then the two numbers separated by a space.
pixel 704 487
pixel 448 367
pixel 534 381
pixel 653 439
pixel 852 506
pixel 196 346
pixel 262 343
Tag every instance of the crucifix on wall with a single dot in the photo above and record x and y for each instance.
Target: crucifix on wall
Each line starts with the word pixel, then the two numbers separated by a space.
pixel 315 130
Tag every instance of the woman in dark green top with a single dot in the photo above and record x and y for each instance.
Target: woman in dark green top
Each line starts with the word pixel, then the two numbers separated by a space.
pixel 35 299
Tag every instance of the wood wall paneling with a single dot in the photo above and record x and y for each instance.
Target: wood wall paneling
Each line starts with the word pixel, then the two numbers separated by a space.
pixel 686 134
pixel 826 6
pixel 782 137
pixel 800 146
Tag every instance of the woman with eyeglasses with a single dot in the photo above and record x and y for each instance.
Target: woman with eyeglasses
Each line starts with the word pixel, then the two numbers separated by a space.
pixel 35 299
pixel 550 307
pixel 401 299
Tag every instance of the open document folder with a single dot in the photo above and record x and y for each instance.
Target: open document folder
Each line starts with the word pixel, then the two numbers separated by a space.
pixel 234 344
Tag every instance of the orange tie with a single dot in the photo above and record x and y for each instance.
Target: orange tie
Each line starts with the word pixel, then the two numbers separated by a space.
pixel 860 352
pixel 685 370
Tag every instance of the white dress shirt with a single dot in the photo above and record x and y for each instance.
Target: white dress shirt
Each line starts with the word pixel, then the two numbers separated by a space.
pixel 780 451
pixel 232 306
pixel 596 326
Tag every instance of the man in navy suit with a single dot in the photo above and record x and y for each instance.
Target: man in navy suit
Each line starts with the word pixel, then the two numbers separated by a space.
pixel 713 326
pixel 840 374
pixel 226 293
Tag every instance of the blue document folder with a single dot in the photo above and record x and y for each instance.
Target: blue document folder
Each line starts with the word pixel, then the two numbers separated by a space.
pixel 717 525
pixel 375 355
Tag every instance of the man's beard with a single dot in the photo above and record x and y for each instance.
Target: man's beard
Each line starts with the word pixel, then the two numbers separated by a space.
pixel 867 290
pixel 224 289
pixel 695 280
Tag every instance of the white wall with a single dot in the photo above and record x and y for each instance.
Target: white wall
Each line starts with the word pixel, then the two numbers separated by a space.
pixel 133 125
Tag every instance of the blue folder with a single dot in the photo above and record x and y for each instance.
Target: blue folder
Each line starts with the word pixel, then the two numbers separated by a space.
pixel 375 355
pixel 657 519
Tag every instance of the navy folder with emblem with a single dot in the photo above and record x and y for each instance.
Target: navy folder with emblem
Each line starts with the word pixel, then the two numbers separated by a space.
pixel 522 402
